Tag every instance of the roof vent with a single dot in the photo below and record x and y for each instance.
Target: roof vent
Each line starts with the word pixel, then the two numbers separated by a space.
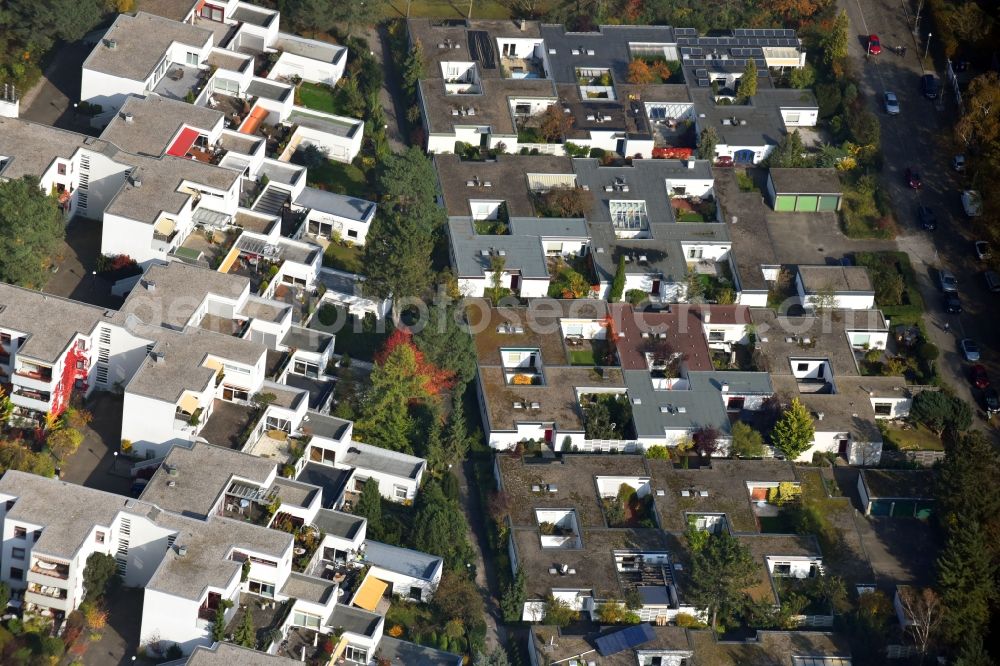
pixel 702 493
pixel 536 405
pixel 149 285
pixel 564 569
pixel 725 387
pixel 535 488
pixel 159 358
pixel 661 492
pixel 636 401
pixel 685 493
pixel 553 488
pixel 171 483
pixel 819 416
pixel 113 44
pixel 682 410
pixel 664 409
pixel 182 551
pixel 518 405
pixel 172 470
pixel 128 117
pixel 136 180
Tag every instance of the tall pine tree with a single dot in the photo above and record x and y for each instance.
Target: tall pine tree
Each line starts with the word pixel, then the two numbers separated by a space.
pixel 965 576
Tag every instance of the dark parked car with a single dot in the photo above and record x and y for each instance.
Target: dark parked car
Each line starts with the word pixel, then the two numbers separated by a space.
pixel 991 401
pixel 982 250
pixel 952 303
pixel 913 179
pixel 928 220
pixel 978 376
pixel 929 86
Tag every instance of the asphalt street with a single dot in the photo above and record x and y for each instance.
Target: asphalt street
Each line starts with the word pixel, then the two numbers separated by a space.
pixel 920 138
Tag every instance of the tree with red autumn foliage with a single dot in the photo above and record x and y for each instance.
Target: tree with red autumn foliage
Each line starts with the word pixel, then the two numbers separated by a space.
pixel 402 377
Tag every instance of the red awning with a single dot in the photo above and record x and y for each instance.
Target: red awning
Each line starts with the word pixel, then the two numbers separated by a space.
pixel 182 144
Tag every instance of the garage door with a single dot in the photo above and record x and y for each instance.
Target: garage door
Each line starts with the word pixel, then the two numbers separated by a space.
pixel 806 204
pixel 828 203
pixel 785 203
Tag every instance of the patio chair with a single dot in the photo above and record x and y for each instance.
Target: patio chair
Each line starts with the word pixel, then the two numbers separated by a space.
pixel 176 75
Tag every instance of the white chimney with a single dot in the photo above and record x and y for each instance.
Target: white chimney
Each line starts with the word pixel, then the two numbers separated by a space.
pixel 819 416
pixel 707 316
pixel 725 387
pixel 129 118
pixel 690 164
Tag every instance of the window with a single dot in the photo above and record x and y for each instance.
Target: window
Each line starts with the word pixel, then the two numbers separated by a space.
pixel 716 336
pixel 192 59
pixel 802 367
pixel 102 374
pixel 105 336
pixel 628 214
pixel 212 13
pixel 306 620
pixel 17 553
pixel 695 253
pixel 263 589
pixel 359 655
pixel 227 86
pixel 351 233
pixel 399 492
pixel 883 409
pixel 99 537
pixel 784 569
pixel 103 354
pixel 16 573
pixel 415 592
pixel 61 169
pixel 792 118
pixel 20 532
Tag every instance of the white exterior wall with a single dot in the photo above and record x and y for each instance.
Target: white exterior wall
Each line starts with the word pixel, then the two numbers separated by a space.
pixel 760 152
pixel 120 235
pixel 806 117
pixel 401 583
pixel 639 147
pixel 107 90
pixel 753 299
pixel 106 178
pixel 705 251
pixel 859 453
pixel 336 147
pixel 314 71
pixel 900 407
pixel 343 226
pixel 874 339
pixel 147 544
pixel 173 620
pixel 152 426
pixel 442 143
pixel 693 187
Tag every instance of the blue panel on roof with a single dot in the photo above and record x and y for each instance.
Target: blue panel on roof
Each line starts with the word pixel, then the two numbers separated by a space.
pixel 624 639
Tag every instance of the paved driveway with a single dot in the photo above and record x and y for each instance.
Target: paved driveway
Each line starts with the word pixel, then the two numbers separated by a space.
pixel 94 464
pixel 51 100
pixel 919 137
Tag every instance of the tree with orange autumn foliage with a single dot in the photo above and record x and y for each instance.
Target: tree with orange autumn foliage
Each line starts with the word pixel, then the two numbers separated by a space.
pixel 401 378
pixel 640 73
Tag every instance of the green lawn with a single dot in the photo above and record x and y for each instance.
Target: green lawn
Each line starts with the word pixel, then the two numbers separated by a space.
pixel 916 438
pixel 341 178
pixel 316 97
pixel 581 357
pixel 343 258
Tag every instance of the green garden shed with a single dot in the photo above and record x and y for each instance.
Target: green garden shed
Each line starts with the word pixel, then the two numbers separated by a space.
pixel 804 190
pixel 897 493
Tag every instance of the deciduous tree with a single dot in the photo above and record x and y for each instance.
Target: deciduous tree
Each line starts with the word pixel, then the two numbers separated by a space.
pixel 924 611
pixel 640 73
pixel 446 343
pixel 554 123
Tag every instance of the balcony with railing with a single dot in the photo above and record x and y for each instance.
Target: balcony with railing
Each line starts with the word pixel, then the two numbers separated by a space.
pixel 48 591
pixel 53 569
pixel 37 372
pixel 30 398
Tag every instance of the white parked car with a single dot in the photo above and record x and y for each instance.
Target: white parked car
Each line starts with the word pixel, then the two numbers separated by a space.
pixel 891 103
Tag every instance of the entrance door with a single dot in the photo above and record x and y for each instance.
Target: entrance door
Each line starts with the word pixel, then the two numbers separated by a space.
pixel 743 156
pixel 843 448
pixel 515 283
pixel 656 288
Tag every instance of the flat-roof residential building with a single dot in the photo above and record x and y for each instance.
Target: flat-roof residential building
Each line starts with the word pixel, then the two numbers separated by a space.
pixel 804 190
pixel 488 83
pixel 814 358
pixel 837 287
pixel 898 493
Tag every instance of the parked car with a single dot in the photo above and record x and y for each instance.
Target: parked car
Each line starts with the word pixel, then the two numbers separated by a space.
pixel 982 250
pixel 972 203
pixel 978 377
pixel 952 303
pixel 970 350
pixel 874 45
pixel 929 86
pixel 913 179
pixel 928 220
pixel 992 280
pixel 958 163
pixel 947 281
pixel 724 161
pixel 891 103
pixel 991 401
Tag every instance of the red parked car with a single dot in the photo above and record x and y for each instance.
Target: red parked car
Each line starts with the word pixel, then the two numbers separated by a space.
pixel 724 161
pixel 874 45
pixel 913 179
pixel 979 377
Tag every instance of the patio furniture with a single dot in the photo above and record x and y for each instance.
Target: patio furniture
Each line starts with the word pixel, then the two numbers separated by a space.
pixel 176 75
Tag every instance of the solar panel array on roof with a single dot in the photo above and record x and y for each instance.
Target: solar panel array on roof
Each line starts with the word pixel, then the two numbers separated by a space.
pixel 624 639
